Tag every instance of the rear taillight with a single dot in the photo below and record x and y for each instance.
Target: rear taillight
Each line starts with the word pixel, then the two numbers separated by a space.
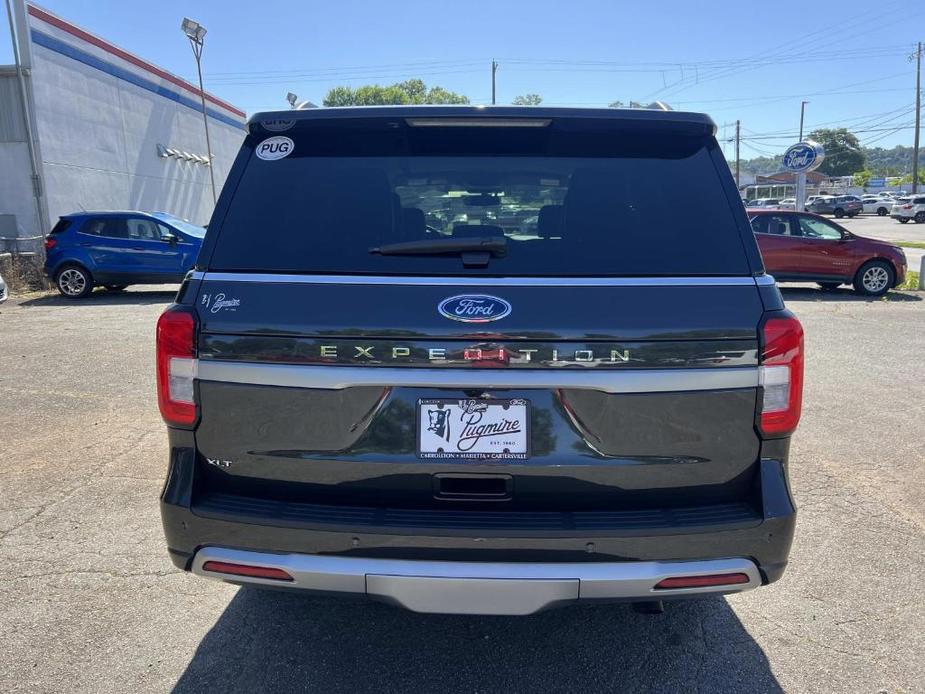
pixel 907 207
pixel 781 375
pixel 176 365
pixel 50 243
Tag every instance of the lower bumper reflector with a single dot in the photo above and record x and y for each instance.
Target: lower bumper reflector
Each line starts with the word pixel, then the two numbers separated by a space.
pixel 222 567
pixel 701 581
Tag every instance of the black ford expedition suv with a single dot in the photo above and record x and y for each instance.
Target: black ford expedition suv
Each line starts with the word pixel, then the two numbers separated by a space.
pixel 470 360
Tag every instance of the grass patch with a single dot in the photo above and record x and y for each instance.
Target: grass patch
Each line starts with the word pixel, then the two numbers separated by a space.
pixel 910 244
pixel 912 281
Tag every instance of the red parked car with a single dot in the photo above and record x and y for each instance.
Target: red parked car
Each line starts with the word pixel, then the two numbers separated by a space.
pixel 804 247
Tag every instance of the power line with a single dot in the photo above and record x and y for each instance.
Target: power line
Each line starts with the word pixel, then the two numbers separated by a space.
pixel 832 31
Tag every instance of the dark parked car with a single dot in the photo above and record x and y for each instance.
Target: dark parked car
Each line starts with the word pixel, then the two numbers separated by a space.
pixel 803 247
pixel 116 249
pixel 840 206
pixel 372 389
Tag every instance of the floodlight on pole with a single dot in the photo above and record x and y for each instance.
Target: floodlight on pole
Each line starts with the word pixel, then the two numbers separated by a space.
pixel 196 34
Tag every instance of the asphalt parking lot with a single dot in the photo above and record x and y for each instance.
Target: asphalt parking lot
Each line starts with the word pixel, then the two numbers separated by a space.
pixel 90 603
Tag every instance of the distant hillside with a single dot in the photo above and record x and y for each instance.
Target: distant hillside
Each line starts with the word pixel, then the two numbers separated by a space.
pixel 896 161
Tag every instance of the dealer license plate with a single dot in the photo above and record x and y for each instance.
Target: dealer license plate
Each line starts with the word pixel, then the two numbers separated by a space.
pixel 473 429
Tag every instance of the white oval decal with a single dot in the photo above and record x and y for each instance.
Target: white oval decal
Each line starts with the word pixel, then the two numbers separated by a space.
pixel 277 125
pixel 275 148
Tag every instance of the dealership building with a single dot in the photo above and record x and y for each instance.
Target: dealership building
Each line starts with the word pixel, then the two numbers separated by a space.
pixel 87 125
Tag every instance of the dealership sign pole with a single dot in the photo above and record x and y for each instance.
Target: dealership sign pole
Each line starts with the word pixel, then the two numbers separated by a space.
pixel 799 159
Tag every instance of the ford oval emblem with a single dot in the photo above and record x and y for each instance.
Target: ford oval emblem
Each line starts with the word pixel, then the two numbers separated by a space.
pixel 804 156
pixel 474 308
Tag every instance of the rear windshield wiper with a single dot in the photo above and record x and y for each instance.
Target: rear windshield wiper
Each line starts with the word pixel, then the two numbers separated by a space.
pixel 475 252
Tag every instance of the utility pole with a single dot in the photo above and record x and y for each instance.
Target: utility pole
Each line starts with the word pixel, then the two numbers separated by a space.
pixel 918 117
pixel 738 134
pixel 802 113
pixel 494 69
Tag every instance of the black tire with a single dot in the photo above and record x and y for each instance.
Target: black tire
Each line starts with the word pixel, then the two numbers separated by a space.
pixel 882 212
pixel 875 278
pixel 919 218
pixel 903 220
pixel 829 286
pixel 839 213
pixel 116 287
pixel 74 281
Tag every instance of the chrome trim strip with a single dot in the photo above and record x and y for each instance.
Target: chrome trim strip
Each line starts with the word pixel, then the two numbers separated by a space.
pixel 478 587
pixel 264 278
pixel 765 281
pixel 607 381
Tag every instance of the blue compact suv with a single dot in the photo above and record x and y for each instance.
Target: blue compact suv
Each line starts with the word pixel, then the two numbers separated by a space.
pixel 116 249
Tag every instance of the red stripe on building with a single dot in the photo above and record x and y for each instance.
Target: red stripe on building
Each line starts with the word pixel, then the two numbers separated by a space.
pixel 134 60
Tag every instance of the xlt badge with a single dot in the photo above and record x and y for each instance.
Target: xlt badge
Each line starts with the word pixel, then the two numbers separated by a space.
pixel 474 308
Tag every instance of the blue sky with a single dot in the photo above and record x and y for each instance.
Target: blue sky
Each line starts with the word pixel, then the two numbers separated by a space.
pixel 733 60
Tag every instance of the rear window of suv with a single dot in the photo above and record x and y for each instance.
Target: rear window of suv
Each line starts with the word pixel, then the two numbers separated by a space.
pixel 600 204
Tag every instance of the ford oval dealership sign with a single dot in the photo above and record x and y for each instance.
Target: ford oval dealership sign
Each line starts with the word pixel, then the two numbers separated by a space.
pixel 804 156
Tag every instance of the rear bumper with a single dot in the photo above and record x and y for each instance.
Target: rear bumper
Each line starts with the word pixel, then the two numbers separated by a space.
pixel 495 588
pixel 609 549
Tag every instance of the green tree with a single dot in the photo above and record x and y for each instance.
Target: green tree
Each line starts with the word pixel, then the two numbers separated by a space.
pixel 527 100
pixel 615 104
pixel 407 92
pixel 862 178
pixel 843 153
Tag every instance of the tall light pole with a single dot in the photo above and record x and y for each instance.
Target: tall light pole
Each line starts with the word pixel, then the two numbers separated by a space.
pixel 800 179
pixel 802 113
pixel 196 34
pixel 494 69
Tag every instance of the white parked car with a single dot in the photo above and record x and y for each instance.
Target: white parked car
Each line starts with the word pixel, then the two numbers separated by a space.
pixel 912 207
pixel 787 204
pixel 763 202
pixel 3 292
pixel 876 205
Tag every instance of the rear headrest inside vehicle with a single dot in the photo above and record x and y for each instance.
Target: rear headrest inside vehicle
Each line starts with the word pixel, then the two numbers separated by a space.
pixel 549 221
pixel 413 224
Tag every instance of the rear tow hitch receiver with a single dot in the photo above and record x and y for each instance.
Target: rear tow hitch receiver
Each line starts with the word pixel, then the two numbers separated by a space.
pixel 649 607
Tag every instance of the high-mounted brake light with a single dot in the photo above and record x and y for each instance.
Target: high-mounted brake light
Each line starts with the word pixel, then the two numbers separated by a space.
pixel 478 122
pixel 781 375
pixel 176 365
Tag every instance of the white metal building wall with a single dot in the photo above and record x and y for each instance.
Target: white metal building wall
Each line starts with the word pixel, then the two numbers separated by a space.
pixel 17 205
